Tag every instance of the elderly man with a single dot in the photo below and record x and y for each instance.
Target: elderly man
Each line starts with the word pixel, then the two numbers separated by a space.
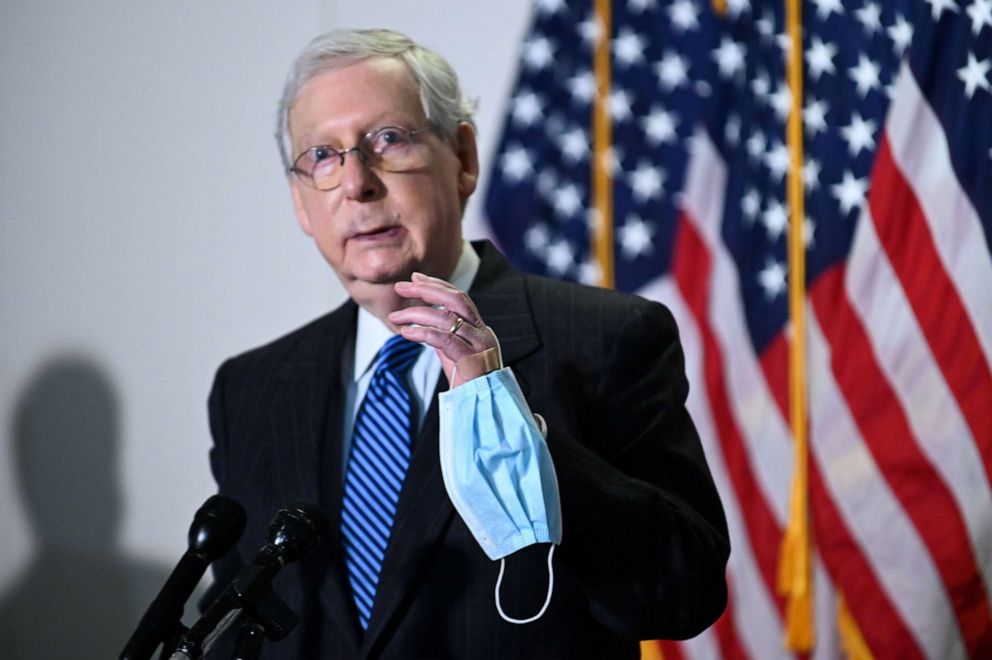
pixel 560 421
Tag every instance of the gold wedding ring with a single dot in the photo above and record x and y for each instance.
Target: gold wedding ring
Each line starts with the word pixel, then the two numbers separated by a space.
pixel 458 323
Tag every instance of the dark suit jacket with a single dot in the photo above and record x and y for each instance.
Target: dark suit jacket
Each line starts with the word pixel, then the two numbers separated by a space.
pixel 644 537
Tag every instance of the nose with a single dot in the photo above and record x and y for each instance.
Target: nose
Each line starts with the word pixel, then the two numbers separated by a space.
pixel 358 181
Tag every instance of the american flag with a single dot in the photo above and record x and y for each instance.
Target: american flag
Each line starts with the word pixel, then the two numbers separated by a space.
pixel 896 108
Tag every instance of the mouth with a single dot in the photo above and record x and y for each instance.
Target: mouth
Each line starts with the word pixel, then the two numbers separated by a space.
pixel 378 234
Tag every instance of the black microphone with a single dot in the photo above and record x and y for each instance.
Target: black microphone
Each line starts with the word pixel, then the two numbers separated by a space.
pixel 216 527
pixel 295 529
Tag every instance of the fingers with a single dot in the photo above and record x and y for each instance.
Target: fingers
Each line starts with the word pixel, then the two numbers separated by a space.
pixel 451 346
pixel 448 320
pixel 438 292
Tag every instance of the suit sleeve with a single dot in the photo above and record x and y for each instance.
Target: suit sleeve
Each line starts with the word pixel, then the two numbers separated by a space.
pixel 644 530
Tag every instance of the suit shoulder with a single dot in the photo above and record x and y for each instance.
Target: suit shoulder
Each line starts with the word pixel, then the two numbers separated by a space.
pixel 296 346
pixel 556 297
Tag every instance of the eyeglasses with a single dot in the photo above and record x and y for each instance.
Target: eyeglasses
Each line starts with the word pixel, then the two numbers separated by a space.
pixel 390 148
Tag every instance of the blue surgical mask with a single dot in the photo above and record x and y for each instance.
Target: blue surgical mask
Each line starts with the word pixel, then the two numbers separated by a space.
pixel 498 471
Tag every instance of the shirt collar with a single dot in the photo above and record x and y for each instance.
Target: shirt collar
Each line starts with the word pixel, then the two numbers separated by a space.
pixel 371 333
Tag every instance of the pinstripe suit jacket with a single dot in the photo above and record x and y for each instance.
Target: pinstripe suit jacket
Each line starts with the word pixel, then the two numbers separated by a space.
pixel 645 541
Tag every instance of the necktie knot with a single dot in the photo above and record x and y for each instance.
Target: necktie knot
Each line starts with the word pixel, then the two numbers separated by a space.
pixel 397 355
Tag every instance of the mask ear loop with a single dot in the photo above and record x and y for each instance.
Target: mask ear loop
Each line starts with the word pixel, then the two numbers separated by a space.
pixel 547 600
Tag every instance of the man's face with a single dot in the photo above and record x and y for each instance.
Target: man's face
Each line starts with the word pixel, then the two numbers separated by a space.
pixel 378 227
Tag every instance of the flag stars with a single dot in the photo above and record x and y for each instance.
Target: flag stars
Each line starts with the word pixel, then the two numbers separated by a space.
pixel 636 238
pixel 582 86
pixel 826 7
pixel 815 116
pixel 737 7
pixel 850 192
pixel 760 85
pixel 820 58
pixel 684 15
pixel 660 127
pixel 766 25
pixel 619 103
pixel 809 230
pixel 574 145
pixel 527 108
pixel 777 161
pixel 775 219
pixel 980 12
pixel 732 130
pixel 729 56
pixel 559 257
pixel 784 42
pixel 901 34
pixel 859 134
pixel 538 53
pixel 672 70
pixel 590 273
pixel 772 279
pixel 516 163
pixel 567 201
pixel 536 239
pixel 811 174
pixel 751 205
pixel 870 16
pixel 550 7
pixel 975 74
pixel 589 30
pixel 628 48
pixel 756 145
pixel 938 7
pixel 781 101
pixel 646 182
pixel 610 159
pixel 865 75
pixel 640 6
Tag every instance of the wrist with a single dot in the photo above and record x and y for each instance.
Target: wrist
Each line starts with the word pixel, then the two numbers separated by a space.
pixel 475 365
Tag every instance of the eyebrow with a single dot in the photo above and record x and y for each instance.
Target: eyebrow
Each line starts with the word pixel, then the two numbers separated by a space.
pixel 316 138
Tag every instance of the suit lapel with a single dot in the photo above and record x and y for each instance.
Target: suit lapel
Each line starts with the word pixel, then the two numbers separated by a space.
pixel 309 466
pixel 308 376
pixel 500 294
pixel 424 510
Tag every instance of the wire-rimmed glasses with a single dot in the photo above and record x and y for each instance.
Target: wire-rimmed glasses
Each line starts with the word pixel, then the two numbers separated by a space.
pixel 390 148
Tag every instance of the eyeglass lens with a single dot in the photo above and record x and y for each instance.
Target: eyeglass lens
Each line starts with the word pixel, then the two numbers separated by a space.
pixel 392 149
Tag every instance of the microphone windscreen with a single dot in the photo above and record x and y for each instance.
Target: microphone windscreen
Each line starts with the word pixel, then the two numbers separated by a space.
pixel 217 526
pixel 296 528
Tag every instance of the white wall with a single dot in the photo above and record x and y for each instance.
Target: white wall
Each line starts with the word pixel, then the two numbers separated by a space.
pixel 147 234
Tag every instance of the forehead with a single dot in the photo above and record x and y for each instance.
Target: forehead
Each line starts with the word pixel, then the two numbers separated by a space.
pixel 349 101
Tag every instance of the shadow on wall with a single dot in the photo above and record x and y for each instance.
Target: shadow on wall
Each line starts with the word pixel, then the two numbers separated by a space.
pixel 80 597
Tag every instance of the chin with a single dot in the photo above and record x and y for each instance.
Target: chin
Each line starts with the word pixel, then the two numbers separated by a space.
pixel 386 275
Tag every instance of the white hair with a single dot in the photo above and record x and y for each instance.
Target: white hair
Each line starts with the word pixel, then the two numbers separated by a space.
pixel 440 94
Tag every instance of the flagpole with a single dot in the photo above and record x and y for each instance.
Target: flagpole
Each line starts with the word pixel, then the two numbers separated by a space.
pixel 795 575
pixel 602 170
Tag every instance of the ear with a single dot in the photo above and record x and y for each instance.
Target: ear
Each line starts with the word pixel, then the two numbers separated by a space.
pixel 301 212
pixel 468 159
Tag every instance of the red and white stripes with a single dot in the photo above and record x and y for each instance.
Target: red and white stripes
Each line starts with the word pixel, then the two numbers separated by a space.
pixel 900 405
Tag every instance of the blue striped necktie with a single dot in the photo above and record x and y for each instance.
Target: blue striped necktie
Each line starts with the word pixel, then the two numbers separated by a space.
pixel 377 464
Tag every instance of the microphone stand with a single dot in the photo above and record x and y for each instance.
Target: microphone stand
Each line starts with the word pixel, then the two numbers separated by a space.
pixel 249 598
pixel 293 532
